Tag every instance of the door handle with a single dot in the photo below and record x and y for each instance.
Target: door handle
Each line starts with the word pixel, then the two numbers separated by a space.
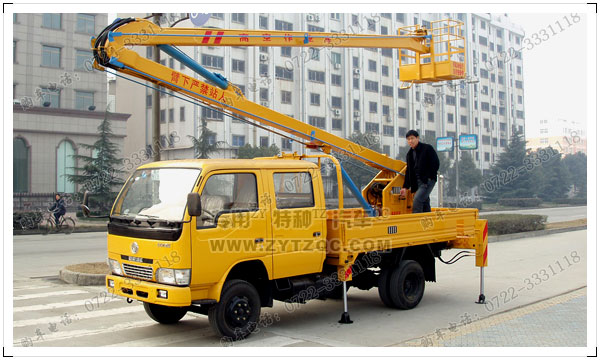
pixel 316 234
pixel 259 240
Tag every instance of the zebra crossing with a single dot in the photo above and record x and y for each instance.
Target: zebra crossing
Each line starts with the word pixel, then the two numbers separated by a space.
pixel 50 313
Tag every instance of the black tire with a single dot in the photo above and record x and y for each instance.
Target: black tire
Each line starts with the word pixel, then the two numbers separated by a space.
pixel 164 314
pixel 407 285
pixel 383 283
pixel 237 313
pixel 68 226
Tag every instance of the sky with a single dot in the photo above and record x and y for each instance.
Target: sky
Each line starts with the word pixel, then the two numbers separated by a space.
pixel 554 71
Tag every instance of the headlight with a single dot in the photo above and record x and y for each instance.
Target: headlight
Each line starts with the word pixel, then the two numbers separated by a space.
pixel 115 267
pixel 173 276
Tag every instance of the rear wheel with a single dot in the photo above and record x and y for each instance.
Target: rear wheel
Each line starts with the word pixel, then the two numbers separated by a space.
pixel 68 225
pixel 407 285
pixel 164 314
pixel 383 284
pixel 236 315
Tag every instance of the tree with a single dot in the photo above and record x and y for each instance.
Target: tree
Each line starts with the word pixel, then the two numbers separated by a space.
pixel 521 186
pixel 100 173
pixel 469 175
pixel 551 176
pixel 204 145
pixel 576 165
pixel 360 173
pixel 250 152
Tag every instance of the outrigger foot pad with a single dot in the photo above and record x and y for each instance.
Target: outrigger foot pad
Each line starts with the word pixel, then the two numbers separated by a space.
pixel 481 299
pixel 345 319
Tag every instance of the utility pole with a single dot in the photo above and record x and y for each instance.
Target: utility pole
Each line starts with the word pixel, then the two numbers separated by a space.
pixel 456 103
pixel 156 102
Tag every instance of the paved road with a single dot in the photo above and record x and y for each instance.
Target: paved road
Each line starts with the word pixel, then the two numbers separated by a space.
pixel 554 214
pixel 49 313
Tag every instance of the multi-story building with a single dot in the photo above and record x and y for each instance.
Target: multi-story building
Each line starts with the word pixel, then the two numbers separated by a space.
pixel 349 90
pixel 58 101
pixel 567 137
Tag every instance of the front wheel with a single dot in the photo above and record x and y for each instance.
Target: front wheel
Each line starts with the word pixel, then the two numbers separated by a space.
pixel 236 315
pixel 68 225
pixel 164 314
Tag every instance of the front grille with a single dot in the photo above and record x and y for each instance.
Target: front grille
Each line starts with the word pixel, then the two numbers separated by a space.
pixel 142 272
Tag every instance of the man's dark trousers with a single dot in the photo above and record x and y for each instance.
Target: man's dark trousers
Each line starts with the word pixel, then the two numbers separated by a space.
pixel 421 201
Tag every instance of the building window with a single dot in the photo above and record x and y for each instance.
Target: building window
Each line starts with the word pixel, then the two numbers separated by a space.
pixel 418 113
pixel 519 99
pixel 336 102
pixel 336 124
pixel 65 164
pixel 51 96
pixel 450 100
pixel 372 65
pixel 208 114
pixel 518 84
pixel 238 65
pixel 284 74
pixel 313 28
pixel 149 51
pixel 402 132
pixel 483 73
pixel 485 106
pixel 451 118
pixel 264 94
pixel 316 76
pixel 86 24
pixel 20 166
pixel 400 18
pixel 283 25
pixel 317 121
pixel 171 115
pixel 463 102
pixel 487 156
pixel 355 62
pixel 335 16
pixel 263 69
pixel 463 120
pixel 494 110
pixel 238 140
pixel 371 86
pixel 402 112
pixel 336 58
pixel 263 49
pixel 482 40
pixel 315 99
pixel 500 80
pixel 81 56
pixel 286 97
pixel 518 70
pixel 51 21
pixel 388 130
pixel 182 113
pixel 163 116
pixel 51 56
pixel 314 54
pixel 385 71
pixel 371 127
pixel 83 100
pixel 387 90
pixel 219 16
pixel 239 18
pixel 402 93
pixel 264 141
pixel 336 80
pixel 372 107
pixel 355 83
pixel 286 144
pixel 14 51
pixel 520 114
pixel 430 116
pixel 149 100
pixel 286 51
pixel 387 53
pixel 212 61
pixel 263 22
pixel 385 110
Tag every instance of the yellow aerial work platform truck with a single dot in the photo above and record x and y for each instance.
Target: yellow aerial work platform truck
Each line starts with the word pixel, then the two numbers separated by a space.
pixel 224 237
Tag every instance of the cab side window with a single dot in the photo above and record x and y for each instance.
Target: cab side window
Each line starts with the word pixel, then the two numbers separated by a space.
pixel 293 190
pixel 225 193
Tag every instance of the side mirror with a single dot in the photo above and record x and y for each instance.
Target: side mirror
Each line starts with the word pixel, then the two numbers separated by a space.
pixel 193 204
pixel 84 205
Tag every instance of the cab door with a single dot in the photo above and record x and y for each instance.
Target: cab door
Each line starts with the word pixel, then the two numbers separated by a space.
pixel 233 226
pixel 298 222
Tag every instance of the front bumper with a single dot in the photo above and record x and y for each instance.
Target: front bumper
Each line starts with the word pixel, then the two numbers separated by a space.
pixel 147 291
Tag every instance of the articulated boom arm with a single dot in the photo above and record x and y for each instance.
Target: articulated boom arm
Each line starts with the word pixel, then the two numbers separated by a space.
pixel 112 49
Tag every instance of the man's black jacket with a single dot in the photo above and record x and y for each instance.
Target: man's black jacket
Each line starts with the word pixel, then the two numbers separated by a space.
pixel 428 164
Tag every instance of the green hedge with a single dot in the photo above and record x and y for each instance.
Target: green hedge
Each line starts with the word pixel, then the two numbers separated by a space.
pixel 573 201
pixel 474 205
pixel 79 214
pixel 520 202
pixel 499 224
pixel 26 220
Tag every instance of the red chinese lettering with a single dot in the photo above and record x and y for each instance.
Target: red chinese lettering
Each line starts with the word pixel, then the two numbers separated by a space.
pixel 203 89
pixel 195 83
pixel 244 38
pixel 287 37
pixel 174 77
pixel 266 37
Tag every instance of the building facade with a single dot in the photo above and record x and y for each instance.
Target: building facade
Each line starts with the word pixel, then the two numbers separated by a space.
pixel 564 136
pixel 58 101
pixel 348 90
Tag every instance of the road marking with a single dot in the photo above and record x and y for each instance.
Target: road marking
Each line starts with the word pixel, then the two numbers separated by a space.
pixel 306 337
pixel 166 339
pixel 32 287
pixel 61 335
pixel 274 341
pixel 80 316
pixel 49 294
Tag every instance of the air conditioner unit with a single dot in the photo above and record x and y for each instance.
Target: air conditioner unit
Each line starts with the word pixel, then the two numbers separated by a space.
pixel 264 57
pixel 264 103
pixel 356 71
pixel 336 112
pixel 317 18
pixel 337 66
pixel 357 114
pixel 310 17
pixel 502 102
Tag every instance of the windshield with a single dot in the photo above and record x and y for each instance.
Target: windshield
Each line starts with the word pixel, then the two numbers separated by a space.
pixel 156 193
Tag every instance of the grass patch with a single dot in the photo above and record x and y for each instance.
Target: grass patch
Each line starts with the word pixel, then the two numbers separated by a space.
pixel 90 268
pixel 566 224
pixel 499 224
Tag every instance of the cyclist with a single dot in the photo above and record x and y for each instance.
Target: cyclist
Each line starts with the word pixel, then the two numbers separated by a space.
pixel 58 208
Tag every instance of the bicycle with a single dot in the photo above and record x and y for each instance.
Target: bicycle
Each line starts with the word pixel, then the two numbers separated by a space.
pixel 67 224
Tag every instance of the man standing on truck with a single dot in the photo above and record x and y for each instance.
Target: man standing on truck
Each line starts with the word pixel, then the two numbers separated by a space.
pixel 421 172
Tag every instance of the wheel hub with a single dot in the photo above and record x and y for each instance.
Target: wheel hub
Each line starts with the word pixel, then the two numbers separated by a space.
pixel 238 311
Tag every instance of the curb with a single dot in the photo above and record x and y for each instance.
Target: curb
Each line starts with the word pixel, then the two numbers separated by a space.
pixel 82 279
pixel 77 230
pixel 528 234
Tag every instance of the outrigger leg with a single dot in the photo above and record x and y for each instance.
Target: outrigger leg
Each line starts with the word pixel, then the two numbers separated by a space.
pixel 345 316
pixel 481 296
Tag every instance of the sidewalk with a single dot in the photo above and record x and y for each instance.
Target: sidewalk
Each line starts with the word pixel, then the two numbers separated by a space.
pixel 559 321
